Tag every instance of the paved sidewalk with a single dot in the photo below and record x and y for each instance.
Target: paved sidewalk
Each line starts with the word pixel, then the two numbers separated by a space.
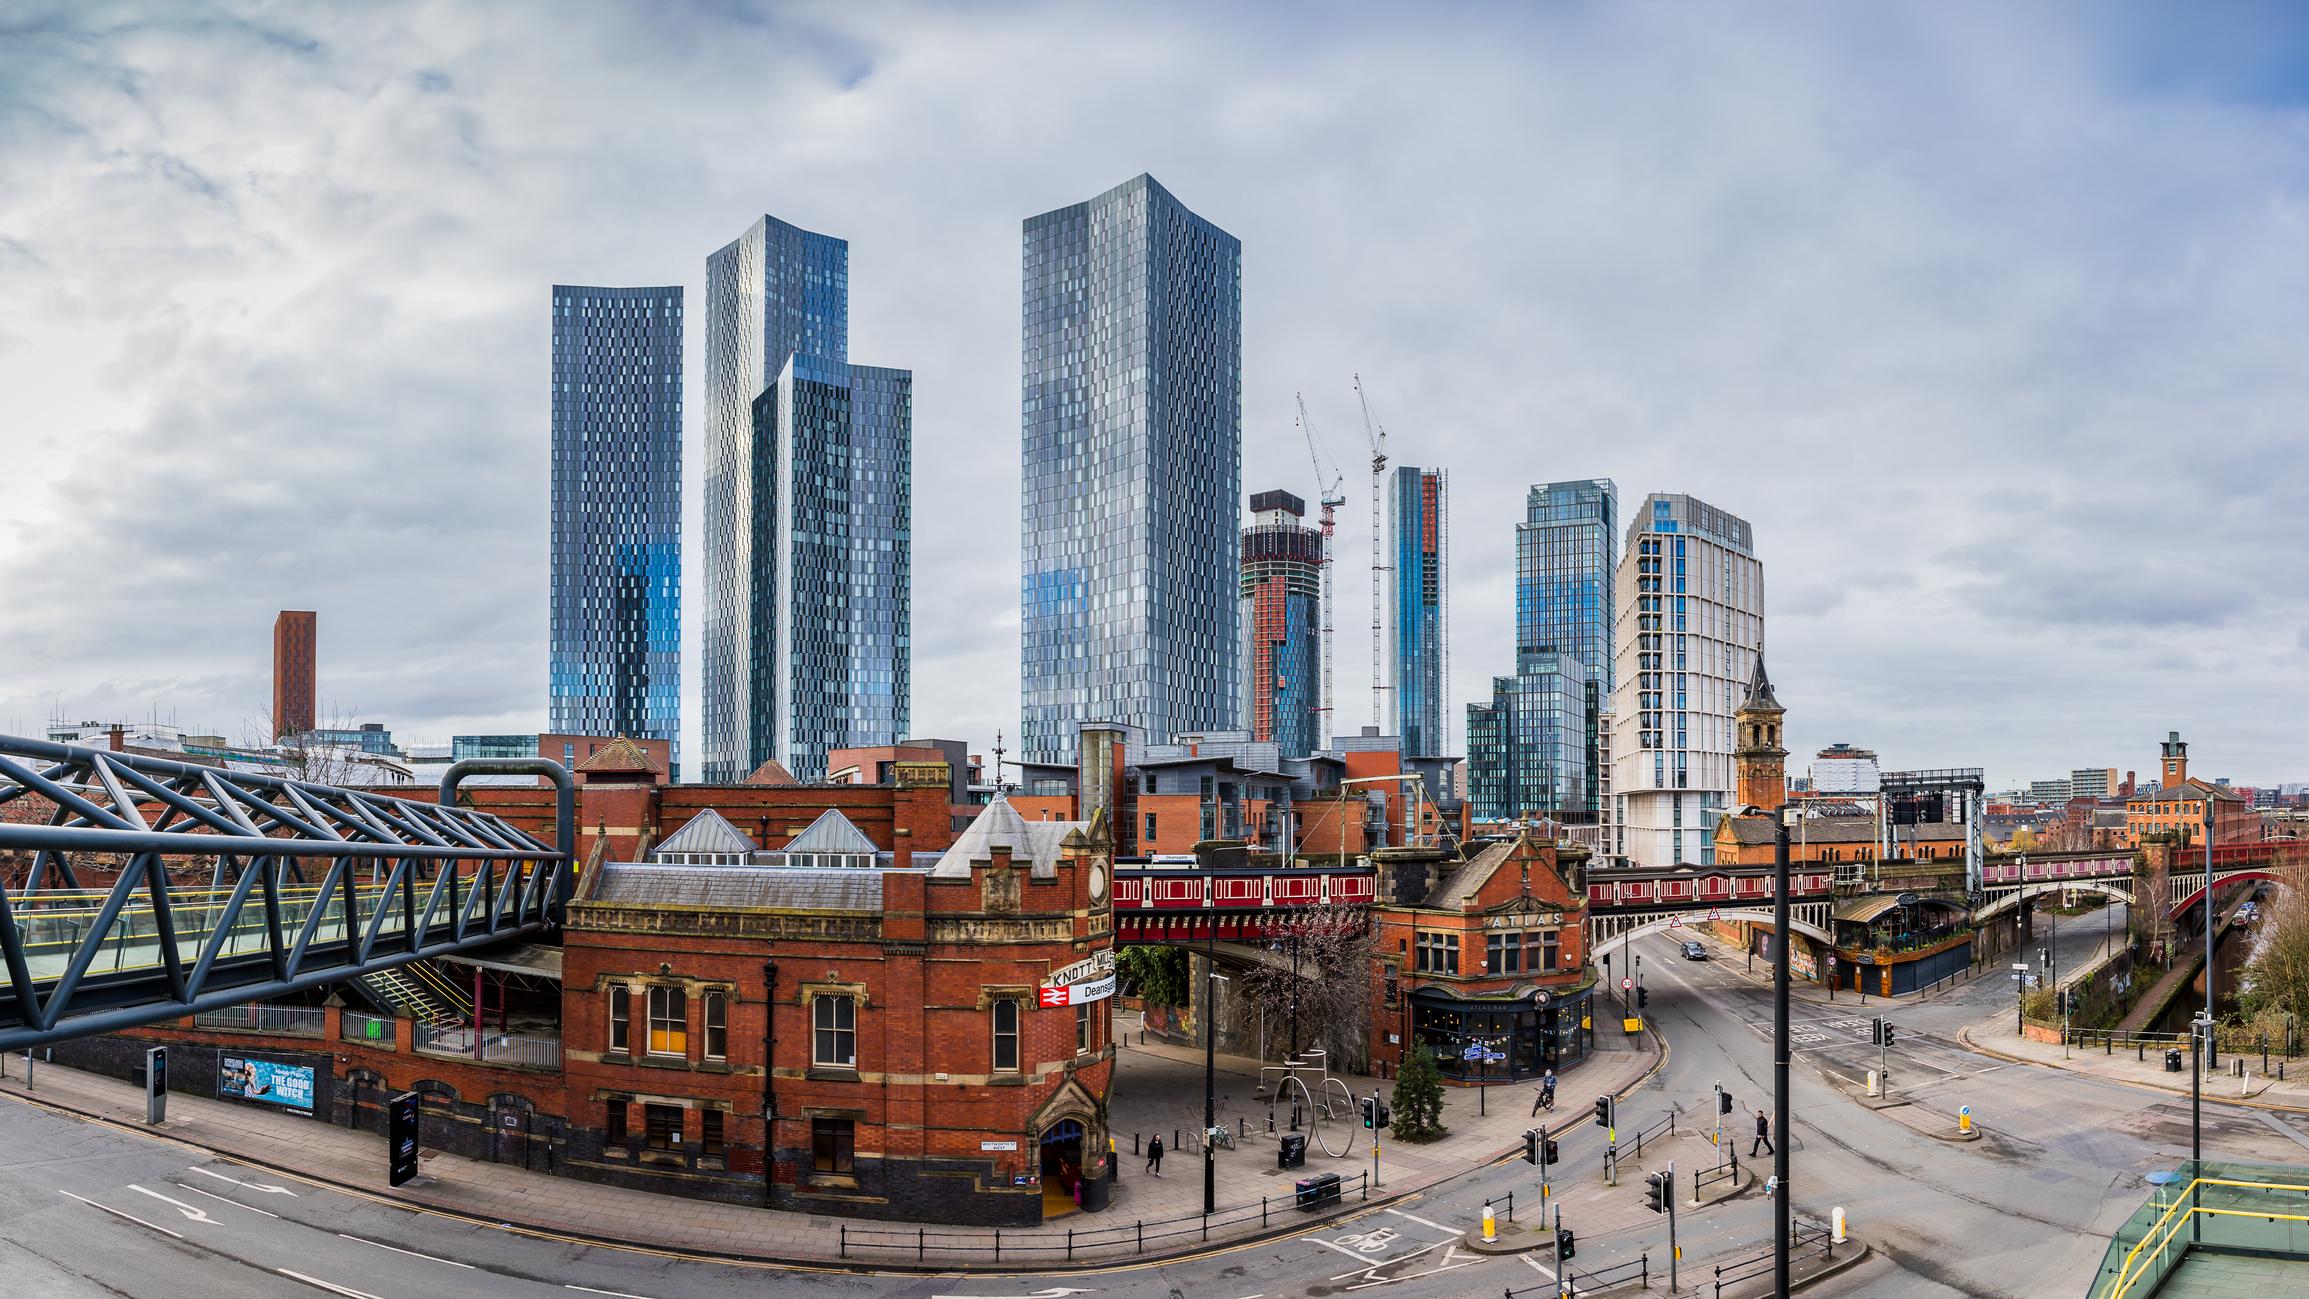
pixel 1151 1086
pixel 2147 1069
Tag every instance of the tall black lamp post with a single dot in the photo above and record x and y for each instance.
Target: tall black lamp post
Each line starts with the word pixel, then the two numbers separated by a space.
pixel 1210 1067
pixel 2201 1024
pixel 1782 1139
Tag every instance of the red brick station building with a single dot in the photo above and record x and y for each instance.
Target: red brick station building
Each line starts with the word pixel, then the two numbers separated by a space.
pixel 826 998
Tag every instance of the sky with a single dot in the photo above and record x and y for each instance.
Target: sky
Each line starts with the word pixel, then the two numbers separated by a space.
pixel 1989 318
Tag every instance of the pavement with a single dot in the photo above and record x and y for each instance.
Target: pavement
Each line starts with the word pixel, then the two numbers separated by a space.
pixel 1157 1088
pixel 2145 1067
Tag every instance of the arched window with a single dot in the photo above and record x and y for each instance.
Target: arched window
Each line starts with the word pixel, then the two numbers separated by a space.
pixel 1006 1036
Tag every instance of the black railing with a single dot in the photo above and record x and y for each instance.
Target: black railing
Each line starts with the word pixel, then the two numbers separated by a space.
pixel 2111 1041
pixel 1705 1177
pixel 1000 1245
pixel 1666 1125
pixel 1576 1280
pixel 1804 1236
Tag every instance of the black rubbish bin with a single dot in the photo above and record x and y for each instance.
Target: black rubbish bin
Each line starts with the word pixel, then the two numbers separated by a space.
pixel 1317 1191
pixel 2173 1060
pixel 1292 1153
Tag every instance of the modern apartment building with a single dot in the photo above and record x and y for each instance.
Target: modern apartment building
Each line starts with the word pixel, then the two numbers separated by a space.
pixel 1689 608
pixel 2093 782
pixel 1281 619
pixel 1536 749
pixel 295 651
pixel 808 514
pixel 1130 395
pixel 1418 604
pixel 614 645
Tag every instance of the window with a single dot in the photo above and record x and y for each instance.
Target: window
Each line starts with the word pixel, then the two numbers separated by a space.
pixel 668 1021
pixel 1082 1028
pixel 1438 954
pixel 1150 827
pixel 613 1125
pixel 710 1133
pixel 835 1039
pixel 833 1145
pixel 620 1017
pixel 1548 950
pixel 717 1026
pixel 664 1126
pixel 1006 1036
pixel 1391 981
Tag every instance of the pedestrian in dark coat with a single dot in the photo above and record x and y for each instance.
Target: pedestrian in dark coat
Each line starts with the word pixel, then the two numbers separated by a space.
pixel 1154 1156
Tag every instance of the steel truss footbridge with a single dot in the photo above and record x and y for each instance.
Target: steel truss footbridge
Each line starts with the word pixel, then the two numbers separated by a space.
pixel 149 889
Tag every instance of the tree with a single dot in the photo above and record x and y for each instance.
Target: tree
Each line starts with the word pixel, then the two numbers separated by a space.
pixel 1418 1100
pixel 1157 974
pixel 1319 976
pixel 2277 980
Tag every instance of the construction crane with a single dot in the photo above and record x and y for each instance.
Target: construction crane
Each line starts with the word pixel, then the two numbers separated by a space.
pixel 1377 434
pixel 1328 482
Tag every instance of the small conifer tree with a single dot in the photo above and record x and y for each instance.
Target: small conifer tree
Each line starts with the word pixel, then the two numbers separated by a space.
pixel 1418 1102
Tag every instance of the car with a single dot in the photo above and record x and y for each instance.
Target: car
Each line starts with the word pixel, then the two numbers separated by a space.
pixel 1693 951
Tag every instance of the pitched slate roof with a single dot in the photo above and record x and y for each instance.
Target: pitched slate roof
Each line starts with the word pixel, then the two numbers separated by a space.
pixel 772 773
pixel 1000 826
pixel 1468 878
pixel 1760 689
pixel 832 832
pixel 707 832
pixel 1749 830
pixel 740 887
pixel 2187 790
pixel 620 754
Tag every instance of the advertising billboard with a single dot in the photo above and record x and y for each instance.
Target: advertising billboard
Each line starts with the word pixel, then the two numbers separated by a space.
pixel 289 1086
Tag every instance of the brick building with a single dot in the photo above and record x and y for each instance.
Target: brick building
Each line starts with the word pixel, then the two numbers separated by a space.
pixel 2178 805
pixel 295 672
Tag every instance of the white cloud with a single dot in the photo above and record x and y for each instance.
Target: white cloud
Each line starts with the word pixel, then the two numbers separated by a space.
pixel 1988 322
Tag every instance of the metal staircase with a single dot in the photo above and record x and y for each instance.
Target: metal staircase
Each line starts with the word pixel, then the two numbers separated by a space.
pixel 405 993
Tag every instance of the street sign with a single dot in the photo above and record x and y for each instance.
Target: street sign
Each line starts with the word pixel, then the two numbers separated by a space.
pixel 1074 994
pixel 2020 965
pixel 1472 1053
pixel 1626 984
pixel 1495 1056
pixel 401 1138
pixel 1675 922
pixel 1083 971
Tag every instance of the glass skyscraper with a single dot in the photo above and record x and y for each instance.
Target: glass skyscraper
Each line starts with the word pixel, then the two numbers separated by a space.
pixel 614 663
pixel 1418 600
pixel 1536 749
pixel 1131 450
pixel 808 514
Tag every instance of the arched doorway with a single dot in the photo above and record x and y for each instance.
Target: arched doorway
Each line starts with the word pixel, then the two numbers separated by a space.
pixel 1062 1168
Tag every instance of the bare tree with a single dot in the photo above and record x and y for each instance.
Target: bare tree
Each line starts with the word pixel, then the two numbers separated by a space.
pixel 1315 987
pixel 305 758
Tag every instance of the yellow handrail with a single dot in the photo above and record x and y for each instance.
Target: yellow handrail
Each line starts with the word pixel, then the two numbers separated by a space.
pixel 2167 1227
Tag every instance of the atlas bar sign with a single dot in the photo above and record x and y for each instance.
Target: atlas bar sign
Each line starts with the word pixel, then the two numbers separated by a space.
pixel 1079 984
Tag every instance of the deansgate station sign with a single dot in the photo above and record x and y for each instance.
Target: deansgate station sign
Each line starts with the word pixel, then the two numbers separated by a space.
pixel 1079 984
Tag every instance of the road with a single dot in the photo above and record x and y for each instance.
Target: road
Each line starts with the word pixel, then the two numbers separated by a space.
pixel 91 1210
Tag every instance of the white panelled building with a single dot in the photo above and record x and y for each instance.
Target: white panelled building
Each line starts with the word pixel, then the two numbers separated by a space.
pixel 1689 624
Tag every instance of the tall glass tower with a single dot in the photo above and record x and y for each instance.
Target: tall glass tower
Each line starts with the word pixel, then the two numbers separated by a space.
pixel 1418 596
pixel 1131 450
pixel 1536 749
pixel 808 514
pixel 1281 619
pixel 615 643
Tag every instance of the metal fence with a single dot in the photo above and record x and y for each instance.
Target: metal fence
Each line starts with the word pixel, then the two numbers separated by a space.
pixel 1801 1236
pixel 1575 1281
pixel 375 1030
pixel 518 1049
pixel 288 1021
pixel 998 1245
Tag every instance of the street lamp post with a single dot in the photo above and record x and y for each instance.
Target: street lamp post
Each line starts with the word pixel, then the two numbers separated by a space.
pixel 1781 1201
pixel 2203 1023
pixel 2212 1050
pixel 1210 1066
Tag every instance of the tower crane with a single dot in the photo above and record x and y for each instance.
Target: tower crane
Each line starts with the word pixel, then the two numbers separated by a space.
pixel 1376 433
pixel 1328 482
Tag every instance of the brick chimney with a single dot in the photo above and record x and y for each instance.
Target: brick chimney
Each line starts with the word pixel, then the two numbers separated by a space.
pixel 116 739
pixel 902 848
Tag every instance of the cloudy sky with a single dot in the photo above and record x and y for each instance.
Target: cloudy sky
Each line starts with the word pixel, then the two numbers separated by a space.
pixel 1990 318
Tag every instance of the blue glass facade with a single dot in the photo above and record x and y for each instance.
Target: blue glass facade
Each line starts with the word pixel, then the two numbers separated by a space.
pixel 1131 451
pixel 615 608
pixel 808 514
pixel 1536 749
pixel 1417 600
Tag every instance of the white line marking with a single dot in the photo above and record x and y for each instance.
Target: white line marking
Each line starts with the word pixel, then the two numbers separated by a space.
pixel 620 1294
pixel 222 1200
pixel 1328 1245
pixel 1374 1264
pixel 1535 1266
pixel 1448 1231
pixel 268 1190
pixel 118 1214
pixel 410 1252
pixel 191 1212
pixel 332 1289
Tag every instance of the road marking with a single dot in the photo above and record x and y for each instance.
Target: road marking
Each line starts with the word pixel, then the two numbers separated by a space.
pixel 1373 1265
pixel 1055 1292
pixel 254 1186
pixel 118 1214
pixel 331 1288
pixel 1341 1248
pixel 191 1212
pixel 620 1294
pixel 1535 1266
pixel 222 1200
pixel 1448 1231
pixel 410 1252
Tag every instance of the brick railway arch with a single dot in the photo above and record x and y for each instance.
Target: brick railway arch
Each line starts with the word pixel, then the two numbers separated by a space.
pixel 2122 892
pixel 1687 919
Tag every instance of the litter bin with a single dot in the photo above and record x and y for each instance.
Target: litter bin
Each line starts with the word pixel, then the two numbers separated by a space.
pixel 1292 1153
pixel 1317 1191
pixel 2173 1060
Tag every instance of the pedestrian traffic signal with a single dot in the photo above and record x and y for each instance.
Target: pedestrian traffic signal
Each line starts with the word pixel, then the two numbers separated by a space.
pixel 1564 1244
pixel 1603 1109
pixel 1643 997
pixel 1548 1153
pixel 1657 1192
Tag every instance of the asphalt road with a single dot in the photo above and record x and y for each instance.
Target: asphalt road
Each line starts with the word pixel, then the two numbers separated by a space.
pixel 89 1210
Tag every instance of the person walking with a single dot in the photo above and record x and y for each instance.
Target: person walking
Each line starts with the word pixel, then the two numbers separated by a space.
pixel 1154 1156
pixel 1763 1136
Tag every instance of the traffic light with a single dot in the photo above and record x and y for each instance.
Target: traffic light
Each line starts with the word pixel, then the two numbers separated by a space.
pixel 1876 1031
pixel 1657 1192
pixel 1643 996
pixel 1548 1153
pixel 1367 1107
pixel 1603 1109
pixel 1888 1032
pixel 1564 1244
pixel 1723 1101
pixel 1531 1146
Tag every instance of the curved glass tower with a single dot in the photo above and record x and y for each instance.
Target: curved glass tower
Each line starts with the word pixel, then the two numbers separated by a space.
pixel 615 608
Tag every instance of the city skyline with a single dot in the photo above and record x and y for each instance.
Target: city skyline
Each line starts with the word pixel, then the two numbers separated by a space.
pixel 1904 584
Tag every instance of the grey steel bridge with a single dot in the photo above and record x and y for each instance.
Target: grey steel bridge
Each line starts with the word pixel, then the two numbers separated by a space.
pixel 156 888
